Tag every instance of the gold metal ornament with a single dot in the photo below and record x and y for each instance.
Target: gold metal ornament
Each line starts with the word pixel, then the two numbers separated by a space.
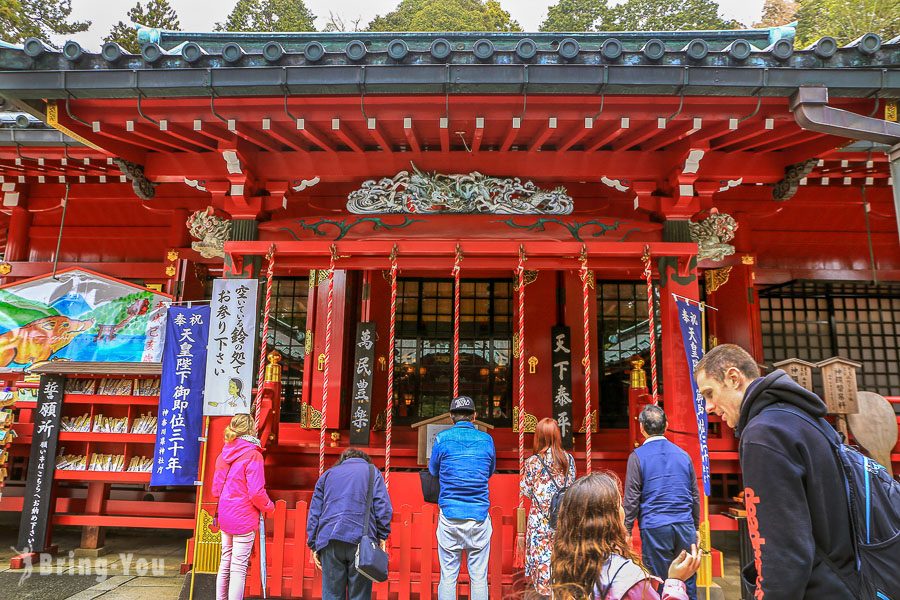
pixel 530 421
pixel 320 363
pixel 170 271
pixel 532 364
pixel 172 255
pixel 5 268
pixel 716 278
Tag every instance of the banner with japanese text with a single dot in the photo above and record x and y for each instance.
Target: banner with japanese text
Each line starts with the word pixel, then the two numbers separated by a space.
pixel 561 355
pixel 180 418
pixel 690 317
pixel 232 337
pixel 41 464
pixel 363 369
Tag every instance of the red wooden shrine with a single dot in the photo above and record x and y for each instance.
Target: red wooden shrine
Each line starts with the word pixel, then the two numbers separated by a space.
pixel 276 149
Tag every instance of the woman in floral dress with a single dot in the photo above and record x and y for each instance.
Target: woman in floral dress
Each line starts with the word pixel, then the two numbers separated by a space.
pixel 550 469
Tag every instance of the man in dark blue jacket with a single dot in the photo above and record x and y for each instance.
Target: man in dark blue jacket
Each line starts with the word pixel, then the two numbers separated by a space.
pixel 463 459
pixel 661 494
pixel 335 524
pixel 797 510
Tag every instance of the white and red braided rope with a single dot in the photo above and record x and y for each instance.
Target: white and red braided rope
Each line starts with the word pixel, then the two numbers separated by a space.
pixel 389 409
pixel 456 324
pixel 651 320
pixel 329 316
pixel 520 392
pixel 263 343
pixel 588 421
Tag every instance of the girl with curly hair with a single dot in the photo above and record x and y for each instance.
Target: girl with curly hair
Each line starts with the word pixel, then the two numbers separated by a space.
pixel 591 556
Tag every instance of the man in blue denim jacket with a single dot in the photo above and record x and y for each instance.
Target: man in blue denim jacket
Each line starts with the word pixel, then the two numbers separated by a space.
pixel 463 458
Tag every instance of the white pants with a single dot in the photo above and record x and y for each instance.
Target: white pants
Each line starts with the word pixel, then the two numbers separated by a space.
pixel 454 536
pixel 233 566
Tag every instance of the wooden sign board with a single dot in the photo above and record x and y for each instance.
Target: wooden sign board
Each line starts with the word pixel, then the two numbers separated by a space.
pixel 363 380
pixel 427 433
pixel 799 370
pixel 561 377
pixel 839 379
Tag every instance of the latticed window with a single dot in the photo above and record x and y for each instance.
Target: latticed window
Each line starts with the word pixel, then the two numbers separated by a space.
pixel 624 333
pixel 424 348
pixel 817 320
pixel 287 334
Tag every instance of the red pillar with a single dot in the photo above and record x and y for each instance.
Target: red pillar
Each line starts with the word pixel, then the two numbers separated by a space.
pixel 17 238
pixel 737 319
pixel 677 391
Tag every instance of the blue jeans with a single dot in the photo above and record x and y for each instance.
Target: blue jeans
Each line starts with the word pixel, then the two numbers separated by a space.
pixel 660 546
pixel 454 536
pixel 339 574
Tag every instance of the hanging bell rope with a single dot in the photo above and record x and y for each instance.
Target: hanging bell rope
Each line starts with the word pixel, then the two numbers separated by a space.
pixel 329 318
pixel 519 551
pixel 586 284
pixel 651 321
pixel 520 391
pixel 263 343
pixel 456 262
pixel 389 408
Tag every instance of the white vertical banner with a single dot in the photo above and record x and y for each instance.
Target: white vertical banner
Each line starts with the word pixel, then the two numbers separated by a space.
pixel 230 352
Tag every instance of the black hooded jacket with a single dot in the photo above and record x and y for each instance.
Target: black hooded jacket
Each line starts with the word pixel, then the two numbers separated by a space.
pixel 797 510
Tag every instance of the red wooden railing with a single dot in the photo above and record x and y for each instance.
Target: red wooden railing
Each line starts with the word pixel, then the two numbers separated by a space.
pixel 414 567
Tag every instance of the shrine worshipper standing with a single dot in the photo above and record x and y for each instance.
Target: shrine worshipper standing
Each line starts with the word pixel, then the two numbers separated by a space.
pixel 239 484
pixel 548 472
pixel 592 557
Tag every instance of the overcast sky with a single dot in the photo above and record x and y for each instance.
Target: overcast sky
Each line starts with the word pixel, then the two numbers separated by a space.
pixel 201 15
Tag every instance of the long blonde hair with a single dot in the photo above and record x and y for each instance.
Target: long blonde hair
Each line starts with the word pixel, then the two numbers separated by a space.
pixel 241 424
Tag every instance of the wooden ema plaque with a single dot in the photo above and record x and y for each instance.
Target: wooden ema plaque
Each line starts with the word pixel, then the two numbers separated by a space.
pixel 799 370
pixel 839 379
pixel 429 428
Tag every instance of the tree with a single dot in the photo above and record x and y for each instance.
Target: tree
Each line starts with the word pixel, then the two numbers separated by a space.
pixel 665 15
pixel 446 15
pixel 777 12
pixel 157 13
pixel 269 15
pixel 20 19
pixel 337 22
pixel 574 15
pixel 846 21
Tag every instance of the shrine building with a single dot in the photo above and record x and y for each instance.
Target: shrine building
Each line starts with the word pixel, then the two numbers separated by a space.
pixel 480 200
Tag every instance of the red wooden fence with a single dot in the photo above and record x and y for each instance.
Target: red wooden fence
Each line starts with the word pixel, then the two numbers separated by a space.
pixel 412 546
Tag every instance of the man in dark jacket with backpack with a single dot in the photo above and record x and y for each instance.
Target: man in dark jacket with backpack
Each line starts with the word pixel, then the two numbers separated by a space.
pixel 797 509
pixel 661 494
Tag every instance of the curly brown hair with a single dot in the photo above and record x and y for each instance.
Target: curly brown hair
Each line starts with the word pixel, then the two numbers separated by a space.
pixel 589 530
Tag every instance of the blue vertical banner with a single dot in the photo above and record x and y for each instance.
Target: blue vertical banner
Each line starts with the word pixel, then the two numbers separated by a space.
pixel 690 318
pixel 180 418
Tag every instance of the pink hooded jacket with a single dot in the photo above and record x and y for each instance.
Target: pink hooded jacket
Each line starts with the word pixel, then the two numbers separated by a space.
pixel 240 486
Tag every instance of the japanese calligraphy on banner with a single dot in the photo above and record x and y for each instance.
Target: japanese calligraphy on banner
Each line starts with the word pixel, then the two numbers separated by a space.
pixel 41 464
pixel 363 369
pixel 561 388
pixel 179 422
pixel 232 334
pixel 690 319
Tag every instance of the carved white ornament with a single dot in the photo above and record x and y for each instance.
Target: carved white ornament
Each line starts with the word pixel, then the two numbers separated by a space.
pixel 472 193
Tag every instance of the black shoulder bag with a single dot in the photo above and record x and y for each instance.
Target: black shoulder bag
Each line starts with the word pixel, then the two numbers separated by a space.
pixel 371 560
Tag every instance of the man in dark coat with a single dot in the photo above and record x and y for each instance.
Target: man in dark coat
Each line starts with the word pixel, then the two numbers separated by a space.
pixel 334 527
pixel 797 510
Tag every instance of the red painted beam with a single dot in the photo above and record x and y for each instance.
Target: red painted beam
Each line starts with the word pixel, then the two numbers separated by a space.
pixel 607 135
pixel 312 134
pixel 281 135
pixel 548 130
pixel 575 135
pixel 376 134
pixel 763 137
pixel 511 135
pixel 478 136
pixel 410 133
pixel 444 134
pixel 122 270
pixel 638 135
pixel 347 139
pixel 675 132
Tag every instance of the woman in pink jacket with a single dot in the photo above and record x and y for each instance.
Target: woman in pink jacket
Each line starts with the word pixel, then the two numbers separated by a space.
pixel 591 557
pixel 240 486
